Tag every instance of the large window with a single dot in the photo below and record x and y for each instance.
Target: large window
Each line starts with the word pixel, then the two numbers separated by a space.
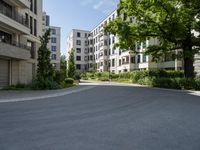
pixel 53 48
pixel 35 6
pixel 53 40
pixel 53 56
pixel 78 42
pixel 113 62
pixel 53 31
pixel 35 27
pixel 78 58
pixel 78 34
pixel 78 67
pixel 78 50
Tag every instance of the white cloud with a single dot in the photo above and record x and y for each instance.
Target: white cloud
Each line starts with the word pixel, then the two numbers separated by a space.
pixel 105 6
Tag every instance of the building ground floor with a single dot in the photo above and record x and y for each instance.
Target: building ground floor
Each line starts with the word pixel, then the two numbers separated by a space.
pixel 13 71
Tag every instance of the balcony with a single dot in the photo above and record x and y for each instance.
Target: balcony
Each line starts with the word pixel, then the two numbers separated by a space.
pixel 19 3
pixel 13 20
pixel 15 50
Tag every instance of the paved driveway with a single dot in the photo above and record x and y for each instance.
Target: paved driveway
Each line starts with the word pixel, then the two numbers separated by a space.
pixel 104 117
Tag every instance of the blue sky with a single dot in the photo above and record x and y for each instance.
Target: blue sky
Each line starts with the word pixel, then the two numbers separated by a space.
pixel 77 14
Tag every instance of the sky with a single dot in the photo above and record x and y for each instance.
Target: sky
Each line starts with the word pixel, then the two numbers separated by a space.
pixel 77 14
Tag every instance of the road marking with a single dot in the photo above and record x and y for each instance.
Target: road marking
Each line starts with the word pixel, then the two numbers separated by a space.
pixel 46 96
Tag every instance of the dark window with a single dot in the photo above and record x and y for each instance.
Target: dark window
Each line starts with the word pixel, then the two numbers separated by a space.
pixel 5 37
pixel 35 27
pixel 78 50
pixel 78 67
pixel 144 58
pixel 53 48
pixel 53 56
pixel 113 62
pixel 31 25
pixel 138 59
pixel 31 5
pixel 120 62
pixel 53 31
pixel 35 6
pixel 78 34
pixel 91 50
pixel 53 40
pixel 132 60
pixel 78 58
pixel 78 42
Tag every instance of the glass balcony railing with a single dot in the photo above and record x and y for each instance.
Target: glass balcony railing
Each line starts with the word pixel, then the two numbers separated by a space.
pixel 14 16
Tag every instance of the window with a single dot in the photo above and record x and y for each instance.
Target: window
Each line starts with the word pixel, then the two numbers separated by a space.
pixel 31 5
pixel 31 25
pixel 78 58
pixel 53 56
pixel 78 42
pixel 78 67
pixel 132 60
pixel 91 57
pixel 78 50
pixel 113 62
pixel 53 40
pixel 138 59
pixel 78 34
pixel 53 48
pixel 113 40
pixel 35 6
pixel 35 27
pixel 144 58
pixel 120 62
pixel 53 31
pixel 91 50
pixel 86 35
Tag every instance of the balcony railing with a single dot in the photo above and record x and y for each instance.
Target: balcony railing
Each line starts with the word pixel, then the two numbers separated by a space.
pixel 14 16
pixel 17 44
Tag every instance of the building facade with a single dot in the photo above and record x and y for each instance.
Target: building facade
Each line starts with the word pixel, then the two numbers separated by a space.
pixel 20 28
pixel 98 52
pixel 77 40
pixel 54 43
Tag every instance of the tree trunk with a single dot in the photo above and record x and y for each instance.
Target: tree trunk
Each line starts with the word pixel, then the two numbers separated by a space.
pixel 188 67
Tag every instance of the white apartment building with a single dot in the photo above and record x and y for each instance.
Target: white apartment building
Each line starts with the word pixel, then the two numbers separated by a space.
pixel 20 28
pixel 54 43
pixel 103 57
pixel 78 41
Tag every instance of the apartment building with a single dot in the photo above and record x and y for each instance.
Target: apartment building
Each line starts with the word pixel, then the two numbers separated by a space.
pixel 102 56
pixel 20 28
pixel 54 43
pixel 77 40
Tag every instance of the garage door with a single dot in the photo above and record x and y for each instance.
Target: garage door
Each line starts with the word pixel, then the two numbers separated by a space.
pixel 4 73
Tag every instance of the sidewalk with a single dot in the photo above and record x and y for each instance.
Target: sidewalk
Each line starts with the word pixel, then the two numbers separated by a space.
pixel 15 96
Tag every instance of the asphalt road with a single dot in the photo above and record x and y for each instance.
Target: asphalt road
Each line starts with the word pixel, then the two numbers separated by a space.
pixel 103 118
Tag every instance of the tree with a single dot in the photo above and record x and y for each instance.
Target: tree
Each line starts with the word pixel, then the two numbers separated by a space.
pixel 45 69
pixel 71 65
pixel 171 21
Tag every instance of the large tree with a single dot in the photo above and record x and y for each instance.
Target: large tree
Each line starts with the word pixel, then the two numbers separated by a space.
pixel 171 21
pixel 45 70
pixel 71 65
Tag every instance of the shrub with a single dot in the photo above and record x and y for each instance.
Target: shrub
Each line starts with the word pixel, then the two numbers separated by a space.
pixel 197 84
pixel 44 85
pixel 69 81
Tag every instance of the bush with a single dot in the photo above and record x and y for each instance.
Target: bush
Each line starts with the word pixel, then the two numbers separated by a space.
pixel 69 81
pixel 44 85
pixel 197 84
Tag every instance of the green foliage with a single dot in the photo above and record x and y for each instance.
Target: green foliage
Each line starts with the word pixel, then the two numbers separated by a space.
pixel 69 81
pixel 45 70
pixel 45 85
pixel 71 65
pixel 160 78
pixel 170 21
pixel 63 67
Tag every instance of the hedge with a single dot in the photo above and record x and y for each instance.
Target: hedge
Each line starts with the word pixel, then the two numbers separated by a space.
pixel 160 78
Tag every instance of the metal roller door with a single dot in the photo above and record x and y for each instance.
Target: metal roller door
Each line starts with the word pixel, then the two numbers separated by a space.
pixel 4 73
